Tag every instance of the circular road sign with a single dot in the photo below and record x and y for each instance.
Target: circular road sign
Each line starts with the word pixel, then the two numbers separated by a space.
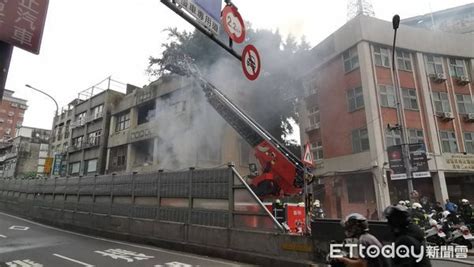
pixel 251 62
pixel 233 24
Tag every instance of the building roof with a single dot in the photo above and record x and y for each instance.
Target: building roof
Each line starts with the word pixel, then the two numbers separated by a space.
pixel 445 12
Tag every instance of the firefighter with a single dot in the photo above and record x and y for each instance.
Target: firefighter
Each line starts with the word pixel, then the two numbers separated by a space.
pixel 278 211
pixel 317 212
pixel 465 210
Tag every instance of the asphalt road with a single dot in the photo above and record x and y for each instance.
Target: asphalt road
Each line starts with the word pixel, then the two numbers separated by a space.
pixel 25 243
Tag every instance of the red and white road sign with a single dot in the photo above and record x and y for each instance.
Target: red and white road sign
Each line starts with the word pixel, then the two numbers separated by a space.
pixel 233 24
pixel 251 62
pixel 308 156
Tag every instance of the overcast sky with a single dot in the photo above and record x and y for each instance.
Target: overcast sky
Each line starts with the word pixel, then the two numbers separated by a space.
pixel 87 40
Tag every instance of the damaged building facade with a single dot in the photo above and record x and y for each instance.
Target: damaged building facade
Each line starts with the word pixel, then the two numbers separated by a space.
pixel 351 99
pixel 168 125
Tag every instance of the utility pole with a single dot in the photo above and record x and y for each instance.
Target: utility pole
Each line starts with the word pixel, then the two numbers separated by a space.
pixel 401 123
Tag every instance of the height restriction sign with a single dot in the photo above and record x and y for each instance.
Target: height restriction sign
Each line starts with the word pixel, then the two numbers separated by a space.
pixel 233 24
pixel 251 62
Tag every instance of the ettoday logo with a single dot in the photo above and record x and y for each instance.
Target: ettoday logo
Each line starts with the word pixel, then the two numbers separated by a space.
pixel 373 251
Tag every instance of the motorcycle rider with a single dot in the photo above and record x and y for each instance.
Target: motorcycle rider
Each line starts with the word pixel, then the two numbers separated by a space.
pixel 317 212
pixel 450 206
pixel 406 233
pixel 356 226
pixel 465 210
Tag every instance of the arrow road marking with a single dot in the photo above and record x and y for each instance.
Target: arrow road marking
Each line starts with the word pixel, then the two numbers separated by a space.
pixel 73 260
pixel 17 227
pixel 3 236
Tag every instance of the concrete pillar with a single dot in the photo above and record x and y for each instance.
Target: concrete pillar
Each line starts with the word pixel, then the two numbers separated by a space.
pixel 133 117
pixel 440 187
pixel 155 151
pixel 113 122
pixel 130 157
pixel 382 193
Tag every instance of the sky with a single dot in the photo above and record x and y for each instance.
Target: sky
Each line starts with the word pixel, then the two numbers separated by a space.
pixel 85 41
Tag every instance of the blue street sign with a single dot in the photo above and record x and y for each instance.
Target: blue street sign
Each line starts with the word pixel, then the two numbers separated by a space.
pixel 211 7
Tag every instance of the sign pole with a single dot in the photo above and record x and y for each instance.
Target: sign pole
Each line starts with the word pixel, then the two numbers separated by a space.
pixel 5 57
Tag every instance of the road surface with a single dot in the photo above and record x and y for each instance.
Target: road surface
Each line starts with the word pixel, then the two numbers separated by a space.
pixel 24 243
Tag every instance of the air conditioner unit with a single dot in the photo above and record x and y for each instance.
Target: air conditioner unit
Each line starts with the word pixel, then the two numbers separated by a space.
pixel 462 80
pixel 439 77
pixel 469 117
pixel 447 116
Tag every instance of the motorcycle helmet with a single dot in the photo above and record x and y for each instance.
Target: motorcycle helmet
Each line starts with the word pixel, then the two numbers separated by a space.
pixel 316 204
pixel 401 203
pixel 416 206
pixel 397 216
pixel 445 214
pixel 464 201
pixel 407 203
pixel 355 225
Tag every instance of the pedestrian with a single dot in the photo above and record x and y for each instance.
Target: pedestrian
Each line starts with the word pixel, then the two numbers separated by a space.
pixel 406 234
pixel 356 226
pixel 450 206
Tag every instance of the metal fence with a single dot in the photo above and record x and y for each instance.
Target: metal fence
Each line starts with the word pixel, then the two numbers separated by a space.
pixel 207 197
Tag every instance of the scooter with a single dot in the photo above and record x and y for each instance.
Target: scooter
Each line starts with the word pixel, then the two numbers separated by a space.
pixel 435 234
pixel 462 236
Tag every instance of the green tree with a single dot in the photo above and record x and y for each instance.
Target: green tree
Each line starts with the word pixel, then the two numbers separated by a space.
pixel 271 99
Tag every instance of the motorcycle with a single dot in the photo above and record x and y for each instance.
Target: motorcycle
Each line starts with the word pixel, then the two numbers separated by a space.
pixel 462 236
pixel 435 234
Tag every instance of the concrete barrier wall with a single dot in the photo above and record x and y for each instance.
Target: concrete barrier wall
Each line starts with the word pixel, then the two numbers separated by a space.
pixel 131 208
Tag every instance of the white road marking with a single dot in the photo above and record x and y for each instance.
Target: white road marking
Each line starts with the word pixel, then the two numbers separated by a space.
pixel 181 254
pixel 23 263
pixel 3 236
pixel 73 260
pixel 18 227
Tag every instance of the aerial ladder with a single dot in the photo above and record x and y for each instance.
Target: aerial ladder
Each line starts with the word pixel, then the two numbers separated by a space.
pixel 282 173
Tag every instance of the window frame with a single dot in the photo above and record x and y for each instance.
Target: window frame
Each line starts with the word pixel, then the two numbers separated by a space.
pixel 317 150
pixel 357 139
pixel 409 95
pixel 467 106
pixel 123 121
pixel 385 95
pixel 414 137
pixel 454 67
pixel 350 59
pixel 432 64
pixel 437 98
pixel 469 144
pixel 404 57
pixel 393 137
pixel 449 141
pixel 355 94
pixel 381 54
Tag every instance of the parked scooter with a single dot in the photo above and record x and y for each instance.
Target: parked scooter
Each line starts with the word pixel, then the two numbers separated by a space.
pixel 434 234
pixel 461 235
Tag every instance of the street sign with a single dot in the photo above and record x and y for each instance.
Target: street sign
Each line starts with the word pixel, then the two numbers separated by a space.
pixel 251 62
pixel 58 158
pixel 204 12
pixel 418 160
pixel 395 160
pixel 308 156
pixel 233 24
pixel 22 23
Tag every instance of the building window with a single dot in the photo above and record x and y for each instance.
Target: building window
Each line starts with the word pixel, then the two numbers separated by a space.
pixel 77 142
pixel 351 59
pixel 469 142
pixel 404 60
pixel 66 129
pixel 415 136
pixel 441 102
pixel 90 166
pixel 317 149
pixel 449 143
pixel 434 65
pixel 146 112
pixel 355 190
pixel 360 140
pixel 355 99
pixel 456 67
pixel 382 57
pixel 464 104
pixel 409 99
pixel 93 139
pixel 97 111
pixel 123 122
pixel 393 137
pixel 74 168
pixel 118 158
pixel 387 96
pixel 313 116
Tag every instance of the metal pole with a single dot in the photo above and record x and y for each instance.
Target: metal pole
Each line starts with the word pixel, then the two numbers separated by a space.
pixel 38 90
pixel 401 122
